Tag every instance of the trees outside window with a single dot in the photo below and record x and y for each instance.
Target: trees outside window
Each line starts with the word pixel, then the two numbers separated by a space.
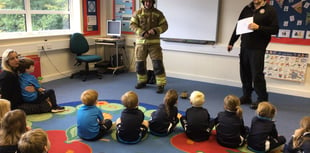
pixel 32 17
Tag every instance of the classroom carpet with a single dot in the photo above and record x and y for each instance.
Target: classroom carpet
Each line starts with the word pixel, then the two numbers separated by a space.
pixel 62 132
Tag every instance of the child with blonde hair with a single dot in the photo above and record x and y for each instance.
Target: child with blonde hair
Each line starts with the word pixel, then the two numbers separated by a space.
pixel 13 126
pixel 34 141
pixel 91 125
pixel 230 129
pixel 196 122
pixel 263 136
pixel 131 127
pixel 300 141
pixel 5 106
pixel 164 120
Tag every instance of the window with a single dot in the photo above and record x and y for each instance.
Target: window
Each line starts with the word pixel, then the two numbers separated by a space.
pixel 26 18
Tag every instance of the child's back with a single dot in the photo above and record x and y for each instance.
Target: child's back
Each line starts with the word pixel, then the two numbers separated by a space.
pixel 263 134
pixel 230 129
pixel 160 123
pixel 164 120
pixel 13 126
pixel 300 141
pixel 131 127
pixel 90 122
pixel 34 141
pixel 196 121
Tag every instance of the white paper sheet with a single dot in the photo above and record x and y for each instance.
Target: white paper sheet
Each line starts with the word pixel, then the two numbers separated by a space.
pixel 243 26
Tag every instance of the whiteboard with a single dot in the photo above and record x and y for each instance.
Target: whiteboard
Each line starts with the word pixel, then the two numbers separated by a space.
pixel 190 19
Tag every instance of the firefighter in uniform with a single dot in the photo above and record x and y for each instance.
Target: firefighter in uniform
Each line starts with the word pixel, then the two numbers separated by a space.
pixel 148 23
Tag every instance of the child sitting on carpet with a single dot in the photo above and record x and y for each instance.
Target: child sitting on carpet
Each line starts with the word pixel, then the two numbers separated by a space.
pixel 91 125
pixel 34 141
pixel 26 66
pixel 300 141
pixel 230 129
pixel 164 120
pixel 5 106
pixel 263 136
pixel 196 122
pixel 131 127
pixel 13 126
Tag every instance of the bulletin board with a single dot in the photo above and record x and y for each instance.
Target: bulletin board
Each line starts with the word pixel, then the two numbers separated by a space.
pixel 91 17
pixel 294 21
pixel 123 10
pixel 286 65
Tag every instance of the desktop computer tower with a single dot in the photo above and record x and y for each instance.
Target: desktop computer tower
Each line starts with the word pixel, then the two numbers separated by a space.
pixel 113 60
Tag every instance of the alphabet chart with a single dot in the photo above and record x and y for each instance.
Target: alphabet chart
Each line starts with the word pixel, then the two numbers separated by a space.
pixel 286 65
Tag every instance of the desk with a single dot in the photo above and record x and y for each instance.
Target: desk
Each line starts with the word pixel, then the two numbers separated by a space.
pixel 118 43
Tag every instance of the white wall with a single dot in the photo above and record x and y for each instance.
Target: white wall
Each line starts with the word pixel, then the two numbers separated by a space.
pixel 215 65
pixel 208 63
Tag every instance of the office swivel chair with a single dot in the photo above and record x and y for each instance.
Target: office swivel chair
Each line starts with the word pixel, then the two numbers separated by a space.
pixel 79 46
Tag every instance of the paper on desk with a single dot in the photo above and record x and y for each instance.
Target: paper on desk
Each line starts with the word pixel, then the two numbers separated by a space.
pixel 243 26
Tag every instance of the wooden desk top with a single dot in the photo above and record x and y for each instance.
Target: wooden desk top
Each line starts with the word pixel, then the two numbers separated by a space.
pixel 109 39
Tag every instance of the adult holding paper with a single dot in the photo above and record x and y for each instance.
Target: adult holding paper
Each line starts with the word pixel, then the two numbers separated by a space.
pixel 253 48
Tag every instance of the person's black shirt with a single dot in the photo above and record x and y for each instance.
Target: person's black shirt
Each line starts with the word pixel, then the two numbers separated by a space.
pixel 198 120
pixel 160 120
pixel 131 121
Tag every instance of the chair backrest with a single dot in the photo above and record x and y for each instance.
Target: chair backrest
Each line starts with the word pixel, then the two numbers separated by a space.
pixel 78 44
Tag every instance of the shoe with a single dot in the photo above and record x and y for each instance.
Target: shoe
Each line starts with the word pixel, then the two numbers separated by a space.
pixel 140 85
pixel 160 89
pixel 57 109
pixel 245 100
pixel 254 105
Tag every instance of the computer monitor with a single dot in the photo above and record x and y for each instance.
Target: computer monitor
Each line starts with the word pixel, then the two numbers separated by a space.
pixel 114 28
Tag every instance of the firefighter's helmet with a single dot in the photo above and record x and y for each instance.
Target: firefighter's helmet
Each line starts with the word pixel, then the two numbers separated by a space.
pixel 142 1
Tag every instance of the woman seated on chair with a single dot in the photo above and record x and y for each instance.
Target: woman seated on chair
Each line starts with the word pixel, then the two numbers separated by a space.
pixel 10 86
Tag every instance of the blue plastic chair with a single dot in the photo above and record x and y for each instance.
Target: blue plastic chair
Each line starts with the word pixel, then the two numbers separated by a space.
pixel 79 46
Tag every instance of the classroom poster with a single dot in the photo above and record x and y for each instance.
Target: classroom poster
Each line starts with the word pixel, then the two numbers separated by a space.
pixel 91 17
pixel 123 10
pixel 294 21
pixel 285 65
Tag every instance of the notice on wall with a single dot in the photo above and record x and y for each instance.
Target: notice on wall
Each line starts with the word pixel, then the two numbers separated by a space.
pixel 286 65
pixel 123 10
pixel 294 21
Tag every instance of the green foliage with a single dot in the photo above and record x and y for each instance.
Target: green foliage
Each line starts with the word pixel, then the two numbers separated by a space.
pixel 55 5
pixel 12 23
pixel 49 22
pixel 52 20
pixel 12 4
